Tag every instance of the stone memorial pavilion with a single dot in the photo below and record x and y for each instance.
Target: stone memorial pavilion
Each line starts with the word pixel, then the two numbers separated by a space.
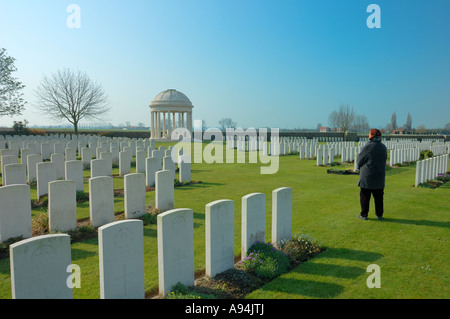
pixel 170 110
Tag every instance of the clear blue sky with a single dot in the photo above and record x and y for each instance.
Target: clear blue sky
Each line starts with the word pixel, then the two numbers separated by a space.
pixel 285 64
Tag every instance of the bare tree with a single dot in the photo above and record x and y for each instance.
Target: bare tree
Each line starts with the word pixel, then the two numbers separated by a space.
pixel 361 124
pixel 408 125
pixel 388 127
pixel 319 125
pixel 447 127
pixel 394 121
pixel 227 123
pixel 11 101
pixel 421 129
pixel 72 96
pixel 343 118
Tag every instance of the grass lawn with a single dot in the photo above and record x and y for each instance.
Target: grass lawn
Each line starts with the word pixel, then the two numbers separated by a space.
pixel 411 246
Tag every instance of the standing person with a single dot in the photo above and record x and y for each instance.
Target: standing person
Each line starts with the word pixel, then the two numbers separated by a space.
pixel 371 163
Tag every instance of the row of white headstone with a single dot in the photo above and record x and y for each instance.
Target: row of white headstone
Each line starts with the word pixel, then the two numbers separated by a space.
pixel 325 154
pixel 47 145
pixel 33 168
pixel 15 202
pixel 402 155
pixel 41 266
pixel 430 168
pixel 101 165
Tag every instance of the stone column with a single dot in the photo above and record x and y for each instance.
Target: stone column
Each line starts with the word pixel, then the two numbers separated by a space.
pixel 152 123
pixel 182 120
pixel 164 124
pixel 189 121
pixel 158 120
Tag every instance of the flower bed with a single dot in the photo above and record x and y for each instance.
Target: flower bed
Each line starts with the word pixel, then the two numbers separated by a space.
pixel 263 263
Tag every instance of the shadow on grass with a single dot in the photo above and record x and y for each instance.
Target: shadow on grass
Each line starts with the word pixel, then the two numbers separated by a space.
pixel 308 288
pixel 198 185
pixel 418 222
pixel 350 254
pixel 317 289
pixel 346 272
pixel 396 170
pixel 81 254
pixel 148 232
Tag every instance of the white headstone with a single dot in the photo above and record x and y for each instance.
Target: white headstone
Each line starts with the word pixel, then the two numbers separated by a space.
pixel 253 221
pixel 115 154
pixel 39 267
pixel 24 152
pixel 46 151
pixel 169 165
pixel 175 249
pixel 281 214
pixel 157 153
pixel 184 165
pixel 70 154
pixel 152 165
pixel 5 160
pixel 99 167
pixel 134 195
pixel 45 173
pixel 74 172
pixel 15 212
pixel 32 160
pixel 164 191
pixel 108 166
pixel 219 225
pixel 140 161
pixel 124 163
pixel 58 160
pixel 62 206
pixel 14 174
pixel 101 200
pixel 121 260
pixel 319 157
pixel 86 156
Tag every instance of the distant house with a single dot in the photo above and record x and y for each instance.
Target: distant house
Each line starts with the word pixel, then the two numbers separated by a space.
pixel 324 129
pixel 399 131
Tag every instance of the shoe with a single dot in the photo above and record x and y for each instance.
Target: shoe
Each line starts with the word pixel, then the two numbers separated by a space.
pixel 380 218
pixel 362 217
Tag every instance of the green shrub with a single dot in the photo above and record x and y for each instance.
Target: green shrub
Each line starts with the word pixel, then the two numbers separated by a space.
pixel 178 183
pixel 180 291
pixel 40 224
pixel 300 247
pixel 150 218
pixel 265 261
pixel 426 154
pixel 81 233
pixel 81 196
pixel 335 163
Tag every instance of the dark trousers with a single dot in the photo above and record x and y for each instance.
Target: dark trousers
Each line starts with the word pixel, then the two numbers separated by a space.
pixel 364 197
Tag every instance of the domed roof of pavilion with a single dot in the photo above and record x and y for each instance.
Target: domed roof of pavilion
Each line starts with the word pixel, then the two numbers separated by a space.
pixel 171 97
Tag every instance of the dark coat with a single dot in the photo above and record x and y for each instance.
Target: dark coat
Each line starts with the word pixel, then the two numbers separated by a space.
pixel 371 163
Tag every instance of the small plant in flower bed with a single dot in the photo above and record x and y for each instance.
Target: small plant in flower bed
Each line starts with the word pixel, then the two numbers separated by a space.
pixel 440 180
pixel 301 247
pixel 180 291
pixel 265 261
